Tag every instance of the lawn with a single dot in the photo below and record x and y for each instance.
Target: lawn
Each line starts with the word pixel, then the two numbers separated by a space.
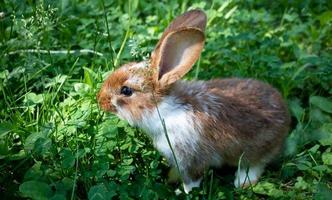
pixel 56 143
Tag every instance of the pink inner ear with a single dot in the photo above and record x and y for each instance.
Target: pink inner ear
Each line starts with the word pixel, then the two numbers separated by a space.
pixel 172 55
pixel 176 54
pixel 179 52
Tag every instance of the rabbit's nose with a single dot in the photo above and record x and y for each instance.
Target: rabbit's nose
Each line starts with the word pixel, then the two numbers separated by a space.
pixel 105 102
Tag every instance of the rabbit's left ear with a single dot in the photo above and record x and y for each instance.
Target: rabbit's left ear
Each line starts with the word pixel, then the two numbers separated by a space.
pixel 179 51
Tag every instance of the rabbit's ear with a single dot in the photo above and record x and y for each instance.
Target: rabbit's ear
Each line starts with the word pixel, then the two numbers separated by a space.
pixel 178 53
pixel 191 19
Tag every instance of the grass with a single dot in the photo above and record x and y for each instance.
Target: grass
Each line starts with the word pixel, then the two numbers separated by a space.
pixel 55 142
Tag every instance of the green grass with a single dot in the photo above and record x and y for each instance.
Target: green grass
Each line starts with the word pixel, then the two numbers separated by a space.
pixel 55 142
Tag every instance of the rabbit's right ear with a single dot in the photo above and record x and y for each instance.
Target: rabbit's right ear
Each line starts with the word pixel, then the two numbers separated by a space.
pixel 192 19
pixel 178 53
pixel 179 47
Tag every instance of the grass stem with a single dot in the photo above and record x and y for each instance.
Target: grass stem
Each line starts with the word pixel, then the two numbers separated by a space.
pixel 166 134
pixel 43 51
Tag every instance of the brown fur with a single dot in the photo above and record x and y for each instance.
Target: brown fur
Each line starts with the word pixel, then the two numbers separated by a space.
pixel 234 117
pixel 244 116
pixel 144 95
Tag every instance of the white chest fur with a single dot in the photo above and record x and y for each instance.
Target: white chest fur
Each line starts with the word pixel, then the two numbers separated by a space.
pixel 181 128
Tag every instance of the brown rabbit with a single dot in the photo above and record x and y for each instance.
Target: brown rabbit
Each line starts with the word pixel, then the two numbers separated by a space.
pixel 208 123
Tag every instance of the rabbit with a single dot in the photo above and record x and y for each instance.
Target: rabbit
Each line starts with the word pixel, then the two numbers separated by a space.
pixel 208 123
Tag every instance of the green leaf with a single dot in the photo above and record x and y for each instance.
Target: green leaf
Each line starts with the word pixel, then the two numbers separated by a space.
pixel 35 190
pixel 304 165
pixel 109 130
pixel 327 158
pixel 97 192
pixel 34 172
pixel 319 115
pixel 100 192
pixel 5 128
pixel 30 141
pixel 325 17
pixel 102 169
pixel 325 134
pixel 154 164
pixel 125 146
pixel 67 158
pixel 124 171
pixel 42 145
pixel 4 150
pixel 267 188
pixel 4 74
pixel 322 103
pixel 58 197
pixel 301 184
pixel 82 88
pixel 292 141
pixel 18 156
pixel 321 168
pixel 127 161
pixel 60 79
pixel 111 144
pixel 67 183
pixel 323 192
pixel 314 149
pixel 296 109
pixel 89 76
pixel 33 99
pixel 111 173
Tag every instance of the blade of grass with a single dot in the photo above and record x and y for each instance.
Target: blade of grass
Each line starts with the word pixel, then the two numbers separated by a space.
pixel 55 52
pixel 239 167
pixel 166 134
pixel 210 187
pixel 108 34
pixel 124 41
pixel 76 167
pixel 198 65
pixel 121 48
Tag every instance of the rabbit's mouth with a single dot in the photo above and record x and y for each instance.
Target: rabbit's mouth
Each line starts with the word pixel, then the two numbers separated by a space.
pixel 126 115
pixel 108 107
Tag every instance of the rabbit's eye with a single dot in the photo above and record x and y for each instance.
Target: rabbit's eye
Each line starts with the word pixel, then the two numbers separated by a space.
pixel 127 91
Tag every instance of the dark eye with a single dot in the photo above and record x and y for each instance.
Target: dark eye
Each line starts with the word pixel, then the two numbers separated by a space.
pixel 127 91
